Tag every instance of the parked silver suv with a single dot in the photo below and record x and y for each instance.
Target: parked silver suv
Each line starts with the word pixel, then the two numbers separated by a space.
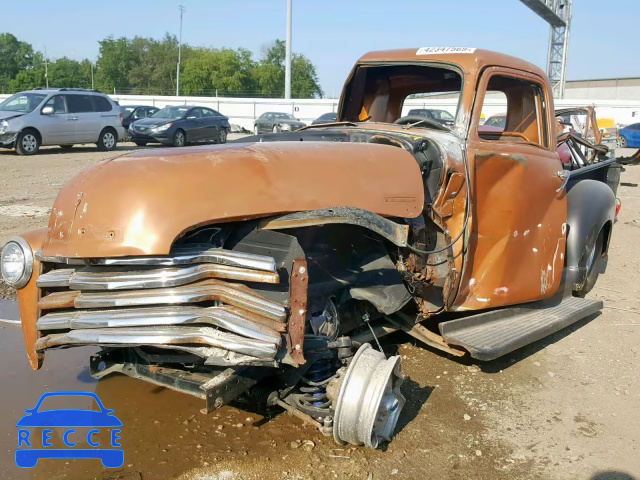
pixel 62 116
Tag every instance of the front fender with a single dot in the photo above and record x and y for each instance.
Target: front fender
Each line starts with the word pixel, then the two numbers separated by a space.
pixel 590 206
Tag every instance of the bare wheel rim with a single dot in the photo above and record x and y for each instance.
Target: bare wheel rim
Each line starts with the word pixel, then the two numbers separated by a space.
pixel 108 140
pixel 179 139
pixel 623 142
pixel 275 129
pixel 222 136
pixel 255 130
pixel 29 142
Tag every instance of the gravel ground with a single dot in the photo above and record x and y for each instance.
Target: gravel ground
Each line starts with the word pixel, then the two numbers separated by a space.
pixel 563 408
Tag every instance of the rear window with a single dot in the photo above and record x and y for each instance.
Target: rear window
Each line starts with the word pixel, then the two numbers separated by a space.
pixel 79 103
pixel 102 104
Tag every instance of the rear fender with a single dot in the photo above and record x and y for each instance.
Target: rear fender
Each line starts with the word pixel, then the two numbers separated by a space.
pixel 590 208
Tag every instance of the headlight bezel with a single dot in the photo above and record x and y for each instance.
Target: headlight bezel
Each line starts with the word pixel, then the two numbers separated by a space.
pixel 4 127
pixel 27 271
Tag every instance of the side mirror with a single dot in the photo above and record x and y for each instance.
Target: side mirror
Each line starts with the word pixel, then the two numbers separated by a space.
pixel 47 111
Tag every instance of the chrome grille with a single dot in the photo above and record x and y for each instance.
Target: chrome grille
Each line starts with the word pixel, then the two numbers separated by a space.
pixel 174 301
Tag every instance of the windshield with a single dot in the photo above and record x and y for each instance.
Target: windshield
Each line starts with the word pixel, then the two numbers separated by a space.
pixel 385 93
pixel 126 111
pixel 172 113
pixel 22 102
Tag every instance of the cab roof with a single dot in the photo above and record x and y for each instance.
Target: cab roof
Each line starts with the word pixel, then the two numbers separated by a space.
pixel 470 59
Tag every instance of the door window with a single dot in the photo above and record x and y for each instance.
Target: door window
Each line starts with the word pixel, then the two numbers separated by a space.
pixel 101 104
pixel 58 103
pixel 79 103
pixel 525 119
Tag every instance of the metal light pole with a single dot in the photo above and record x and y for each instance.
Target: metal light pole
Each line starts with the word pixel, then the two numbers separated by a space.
pixel 46 67
pixel 92 88
pixel 287 60
pixel 182 10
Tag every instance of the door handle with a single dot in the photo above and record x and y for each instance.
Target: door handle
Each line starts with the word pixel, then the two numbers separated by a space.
pixel 564 175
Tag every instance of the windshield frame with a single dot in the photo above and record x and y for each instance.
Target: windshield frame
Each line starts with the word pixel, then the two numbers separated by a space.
pixel 400 63
pixel 21 94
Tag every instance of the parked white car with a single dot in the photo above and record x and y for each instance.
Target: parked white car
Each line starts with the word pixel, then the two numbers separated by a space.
pixel 61 116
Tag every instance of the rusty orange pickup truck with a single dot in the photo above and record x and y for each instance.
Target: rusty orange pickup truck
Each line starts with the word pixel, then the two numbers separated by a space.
pixel 270 268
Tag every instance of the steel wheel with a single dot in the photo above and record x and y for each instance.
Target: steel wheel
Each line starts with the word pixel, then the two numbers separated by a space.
pixel 28 143
pixel 623 142
pixel 255 130
pixel 275 129
pixel 178 139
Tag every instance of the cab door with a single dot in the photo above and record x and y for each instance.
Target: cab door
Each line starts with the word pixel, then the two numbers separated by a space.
pixel 515 251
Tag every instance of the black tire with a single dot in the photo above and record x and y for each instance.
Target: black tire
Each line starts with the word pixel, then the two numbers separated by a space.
pixel 66 147
pixel 222 135
pixel 179 138
pixel 623 142
pixel 140 143
pixel 593 266
pixel 28 142
pixel 107 140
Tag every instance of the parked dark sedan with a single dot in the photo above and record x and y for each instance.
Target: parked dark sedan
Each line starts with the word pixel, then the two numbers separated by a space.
pixel 181 125
pixel 326 118
pixel 276 122
pixel 441 116
pixel 131 113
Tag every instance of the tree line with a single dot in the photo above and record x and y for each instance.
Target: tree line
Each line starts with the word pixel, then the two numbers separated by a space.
pixel 147 66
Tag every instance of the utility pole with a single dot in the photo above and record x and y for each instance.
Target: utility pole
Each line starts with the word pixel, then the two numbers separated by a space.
pixel 92 88
pixel 46 67
pixel 287 60
pixel 557 13
pixel 182 10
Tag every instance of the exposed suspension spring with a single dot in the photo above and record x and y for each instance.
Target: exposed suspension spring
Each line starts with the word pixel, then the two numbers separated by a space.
pixel 313 386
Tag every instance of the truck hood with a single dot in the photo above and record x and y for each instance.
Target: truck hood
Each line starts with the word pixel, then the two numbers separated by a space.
pixel 140 203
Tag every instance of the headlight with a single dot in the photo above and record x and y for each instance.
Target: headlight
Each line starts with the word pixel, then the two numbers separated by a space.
pixel 16 262
pixel 285 127
pixel 162 128
pixel 4 126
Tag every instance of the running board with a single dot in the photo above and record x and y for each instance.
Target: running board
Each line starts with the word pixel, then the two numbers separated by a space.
pixel 490 335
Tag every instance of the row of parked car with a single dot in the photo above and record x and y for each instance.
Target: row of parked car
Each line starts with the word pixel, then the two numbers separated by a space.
pixel 67 116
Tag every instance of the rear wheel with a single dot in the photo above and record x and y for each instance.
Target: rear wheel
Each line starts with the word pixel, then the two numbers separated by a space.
pixel 28 142
pixel 593 266
pixel 623 142
pixel 107 140
pixel 222 135
pixel 179 138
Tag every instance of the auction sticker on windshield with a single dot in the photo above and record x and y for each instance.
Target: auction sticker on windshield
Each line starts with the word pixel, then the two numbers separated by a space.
pixel 438 50
pixel 69 433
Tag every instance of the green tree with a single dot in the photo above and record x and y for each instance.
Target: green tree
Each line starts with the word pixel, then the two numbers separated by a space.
pixel 114 64
pixel 270 73
pixel 16 56
pixel 226 71
pixel 65 72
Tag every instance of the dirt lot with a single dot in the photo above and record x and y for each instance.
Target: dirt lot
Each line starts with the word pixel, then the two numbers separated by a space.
pixel 563 408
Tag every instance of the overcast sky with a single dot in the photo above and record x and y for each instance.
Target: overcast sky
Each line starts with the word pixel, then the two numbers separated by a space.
pixel 334 33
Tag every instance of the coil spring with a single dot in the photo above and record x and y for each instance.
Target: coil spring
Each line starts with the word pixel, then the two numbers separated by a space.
pixel 314 384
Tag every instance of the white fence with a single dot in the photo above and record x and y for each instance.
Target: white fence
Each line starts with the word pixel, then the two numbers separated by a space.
pixel 243 111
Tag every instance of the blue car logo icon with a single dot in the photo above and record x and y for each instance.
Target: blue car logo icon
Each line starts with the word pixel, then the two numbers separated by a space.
pixel 69 420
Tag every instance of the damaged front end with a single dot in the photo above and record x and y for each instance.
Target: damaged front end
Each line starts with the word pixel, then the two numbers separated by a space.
pixel 254 313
